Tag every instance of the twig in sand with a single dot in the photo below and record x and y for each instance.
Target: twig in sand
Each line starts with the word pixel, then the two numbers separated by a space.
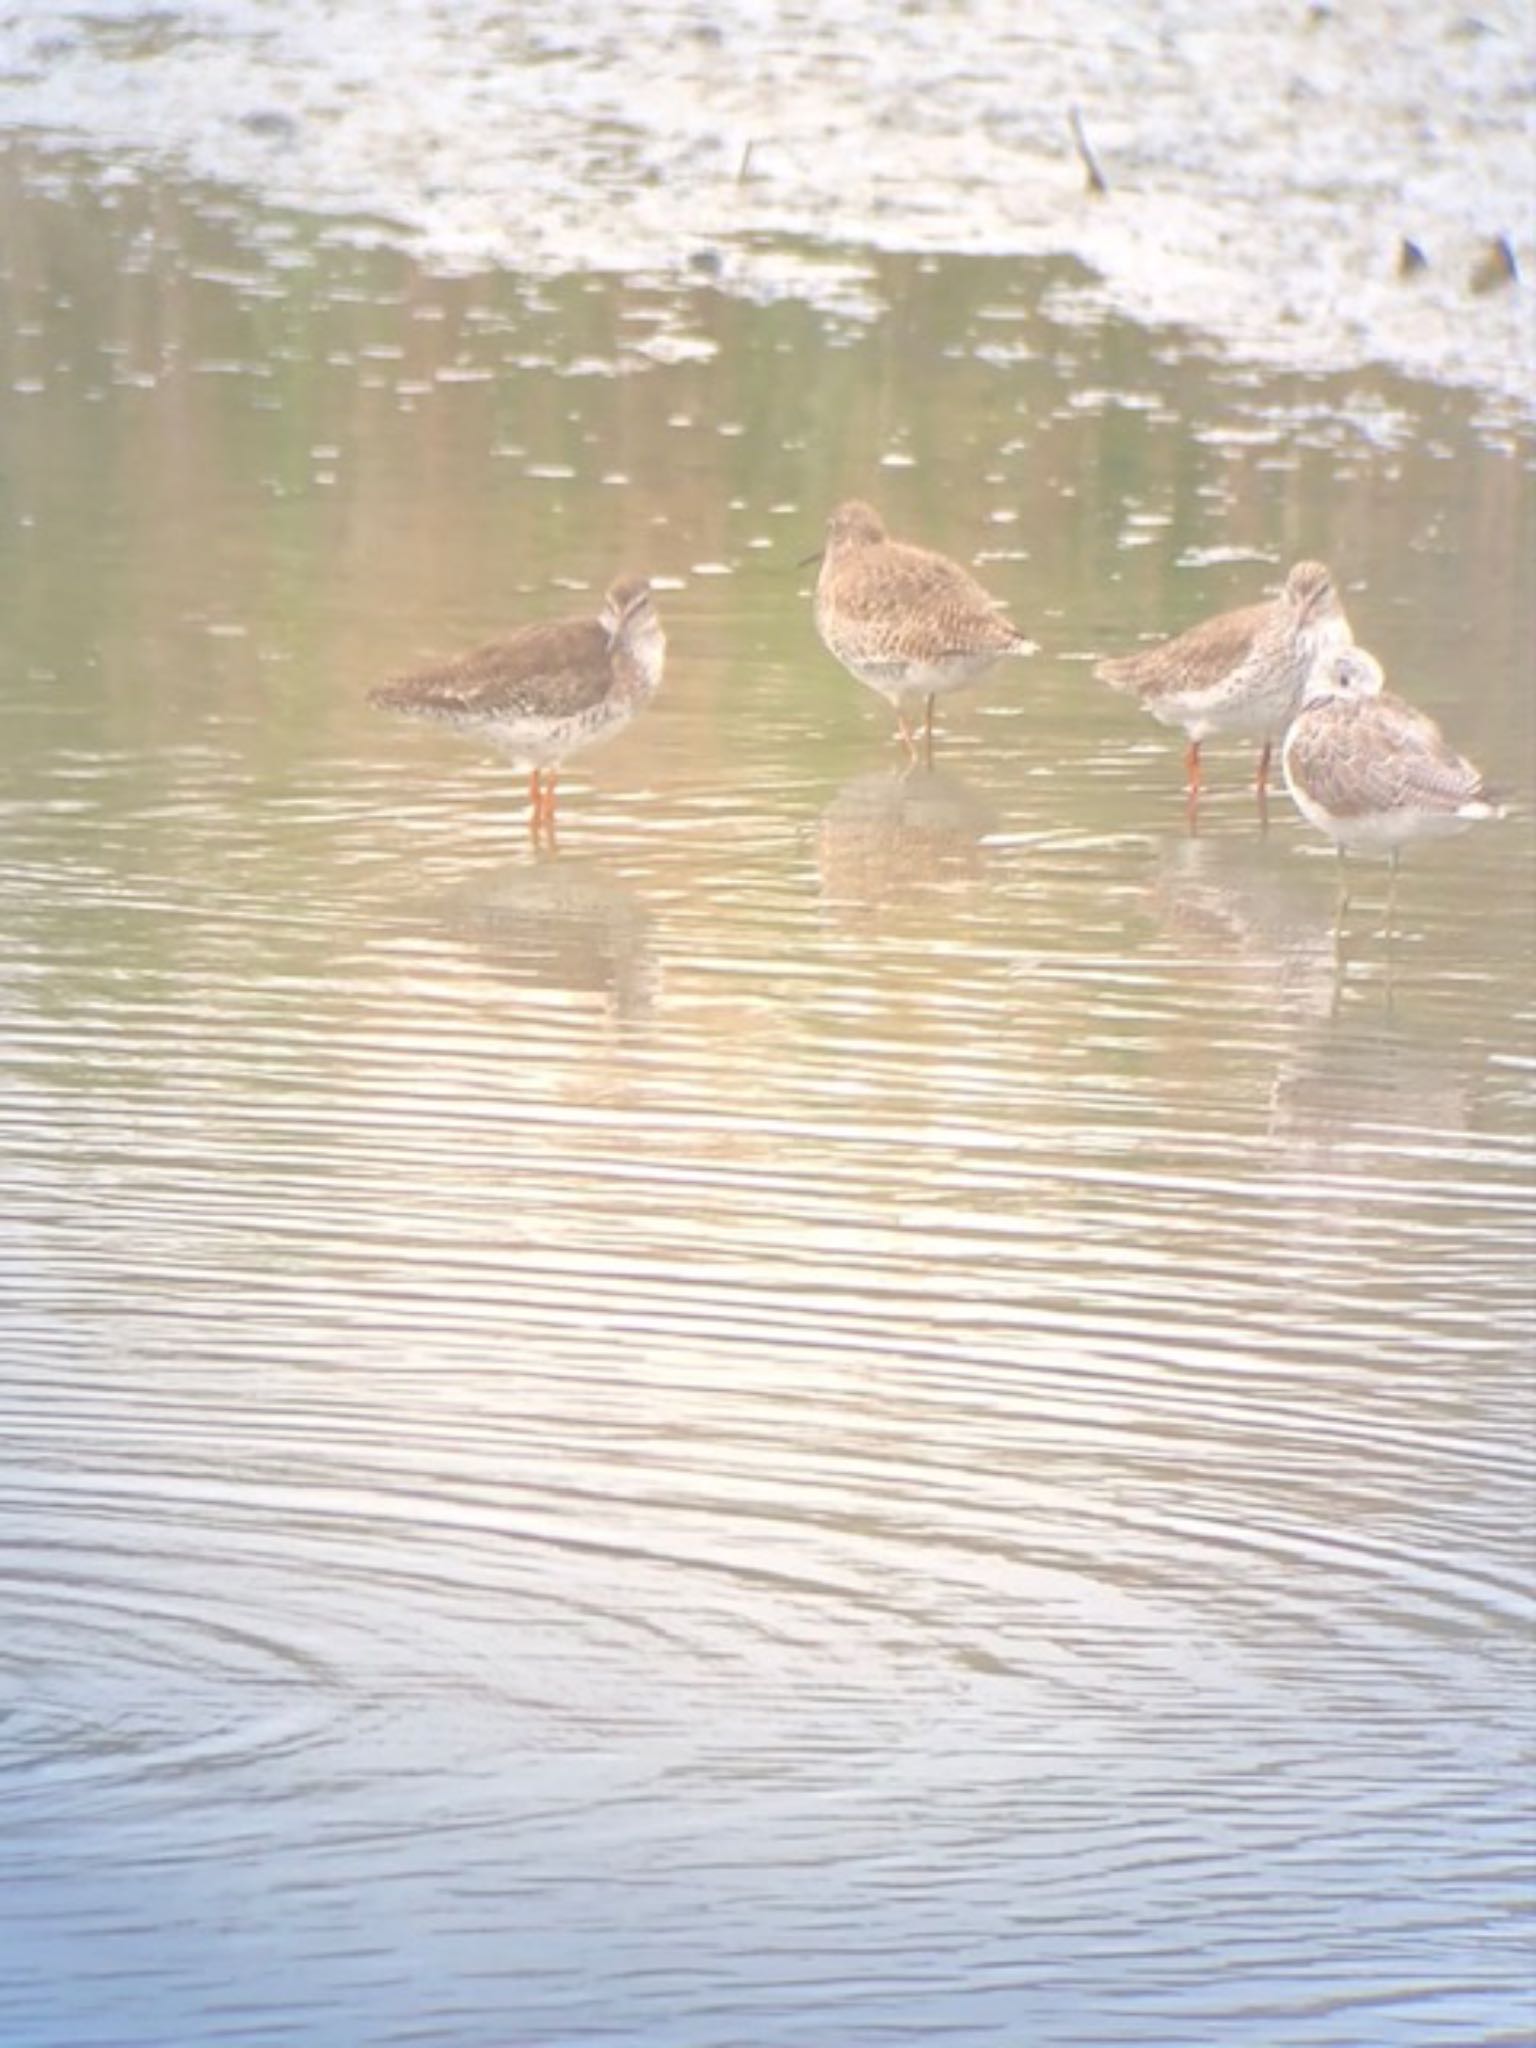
pixel 1097 182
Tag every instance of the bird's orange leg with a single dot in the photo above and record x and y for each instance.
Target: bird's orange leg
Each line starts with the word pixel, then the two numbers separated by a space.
pixel 1261 788
pixel 1192 783
pixel 549 810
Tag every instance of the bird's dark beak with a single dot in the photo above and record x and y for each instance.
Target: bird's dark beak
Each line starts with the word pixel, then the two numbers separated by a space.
pixel 805 561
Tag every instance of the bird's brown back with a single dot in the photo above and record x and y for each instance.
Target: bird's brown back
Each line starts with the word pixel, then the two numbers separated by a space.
pixel 1358 755
pixel 1197 659
pixel 916 605
pixel 552 670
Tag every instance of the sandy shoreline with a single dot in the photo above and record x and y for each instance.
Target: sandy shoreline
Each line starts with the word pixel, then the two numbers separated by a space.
pixel 1264 164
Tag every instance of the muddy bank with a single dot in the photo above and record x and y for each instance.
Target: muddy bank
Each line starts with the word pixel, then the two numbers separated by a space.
pixel 1265 163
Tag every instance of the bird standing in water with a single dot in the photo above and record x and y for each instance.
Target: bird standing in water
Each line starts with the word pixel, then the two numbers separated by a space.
pixel 904 620
pixel 1371 770
pixel 547 691
pixel 1242 672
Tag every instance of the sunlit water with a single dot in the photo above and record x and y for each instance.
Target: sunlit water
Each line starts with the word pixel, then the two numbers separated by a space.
pixel 866 1408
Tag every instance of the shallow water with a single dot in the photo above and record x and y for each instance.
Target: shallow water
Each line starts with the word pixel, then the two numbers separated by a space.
pixel 866 1408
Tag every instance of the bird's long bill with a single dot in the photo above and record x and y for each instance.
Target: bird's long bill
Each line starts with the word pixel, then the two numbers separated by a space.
pixel 805 561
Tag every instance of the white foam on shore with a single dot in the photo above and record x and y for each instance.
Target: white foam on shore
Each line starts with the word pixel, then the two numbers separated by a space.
pixel 1265 160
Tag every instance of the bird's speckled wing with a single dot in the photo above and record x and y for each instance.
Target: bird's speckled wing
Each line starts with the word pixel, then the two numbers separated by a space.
pixel 911 605
pixel 546 671
pixel 1377 755
pixel 1194 661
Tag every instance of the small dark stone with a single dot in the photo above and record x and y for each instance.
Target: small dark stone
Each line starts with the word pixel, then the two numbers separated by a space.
pixel 269 121
pixel 1410 258
pixel 1495 268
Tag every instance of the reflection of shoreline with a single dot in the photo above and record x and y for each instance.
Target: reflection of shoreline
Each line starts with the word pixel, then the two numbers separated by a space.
pixel 560 924
pixel 893 832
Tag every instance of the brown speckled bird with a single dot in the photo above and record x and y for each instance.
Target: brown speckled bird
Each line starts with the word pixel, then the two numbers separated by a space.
pixel 1242 672
pixel 547 690
pixel 1371 770
pixel 904 620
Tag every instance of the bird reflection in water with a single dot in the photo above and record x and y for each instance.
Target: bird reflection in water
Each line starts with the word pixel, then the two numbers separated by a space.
pixel 563 925
pixel 1355 1090
pixel 1350 1084
pixel 889 835
pixel 1270 918
pixel 1227 898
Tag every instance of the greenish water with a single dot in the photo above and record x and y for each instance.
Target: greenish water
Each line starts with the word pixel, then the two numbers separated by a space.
pixel 868 1407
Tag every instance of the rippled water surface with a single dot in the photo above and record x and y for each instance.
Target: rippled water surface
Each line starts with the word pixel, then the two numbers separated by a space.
pixel 866 1407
